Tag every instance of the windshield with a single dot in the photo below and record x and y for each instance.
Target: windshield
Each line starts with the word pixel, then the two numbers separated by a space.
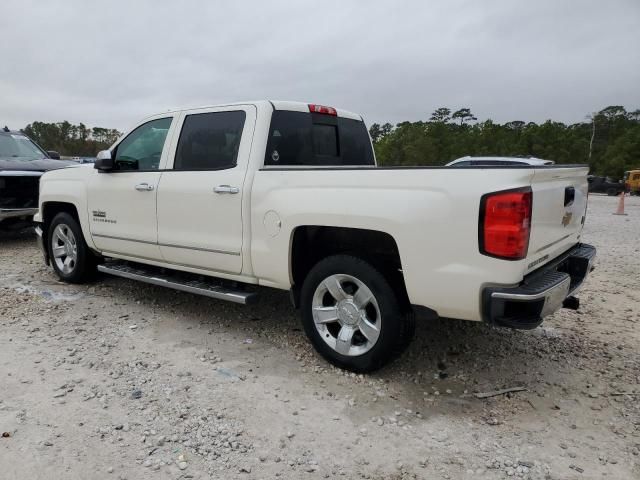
pixel 13 145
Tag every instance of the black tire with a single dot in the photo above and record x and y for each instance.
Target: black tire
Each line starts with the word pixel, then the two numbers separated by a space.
pixel 84 266
pixel 612 192
pixel 396 323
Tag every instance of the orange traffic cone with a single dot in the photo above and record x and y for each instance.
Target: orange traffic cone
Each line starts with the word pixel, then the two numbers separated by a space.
pixel 620 210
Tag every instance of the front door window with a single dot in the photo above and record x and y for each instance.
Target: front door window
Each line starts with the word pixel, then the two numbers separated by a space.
pixel 142 148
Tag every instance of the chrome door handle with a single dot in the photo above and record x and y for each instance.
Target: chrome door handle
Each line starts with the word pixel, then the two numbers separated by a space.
pixel 144 187
pixel 226 189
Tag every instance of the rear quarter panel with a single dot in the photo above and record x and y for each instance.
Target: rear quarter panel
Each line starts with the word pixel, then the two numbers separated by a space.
pixel 431 213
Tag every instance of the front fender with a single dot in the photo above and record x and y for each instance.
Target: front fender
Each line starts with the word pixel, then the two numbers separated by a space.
pixel 70 191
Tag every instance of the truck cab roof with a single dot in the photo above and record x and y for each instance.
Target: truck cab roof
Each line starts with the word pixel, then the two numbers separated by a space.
pixel 292 106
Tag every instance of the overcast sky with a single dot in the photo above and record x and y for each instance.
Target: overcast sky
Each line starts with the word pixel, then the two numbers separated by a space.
pixel 112 64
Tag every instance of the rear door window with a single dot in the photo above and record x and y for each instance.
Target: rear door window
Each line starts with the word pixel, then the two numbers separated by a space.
pixel 209 141
pixel 307 139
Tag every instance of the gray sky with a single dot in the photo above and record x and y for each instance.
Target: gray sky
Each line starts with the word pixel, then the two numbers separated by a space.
pixel 111 63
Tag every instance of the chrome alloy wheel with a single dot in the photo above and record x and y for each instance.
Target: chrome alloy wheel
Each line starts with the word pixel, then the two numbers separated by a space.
pixel 346 315
pixel 64 248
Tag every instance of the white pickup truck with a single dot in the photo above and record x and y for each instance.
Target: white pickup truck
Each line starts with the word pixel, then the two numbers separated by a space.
pixel 222 200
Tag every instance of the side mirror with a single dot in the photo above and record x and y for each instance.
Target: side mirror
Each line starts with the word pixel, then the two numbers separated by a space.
pixel 104 162
pixel 53 154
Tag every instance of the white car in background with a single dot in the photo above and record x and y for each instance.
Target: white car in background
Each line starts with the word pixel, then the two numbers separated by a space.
pixel 498 161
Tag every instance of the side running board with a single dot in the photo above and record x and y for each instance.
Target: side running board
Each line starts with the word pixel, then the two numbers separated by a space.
pixel 178 281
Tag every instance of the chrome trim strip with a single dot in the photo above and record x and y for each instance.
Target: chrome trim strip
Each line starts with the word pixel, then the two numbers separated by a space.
pixel 219 293
pixel 199 249
pixel 20 173
pixel 224 252
pixel 17 212
pixel 553 243
pixel 111 237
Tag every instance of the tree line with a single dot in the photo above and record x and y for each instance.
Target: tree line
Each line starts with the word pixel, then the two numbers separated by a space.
pixel 609 140
pixel 73 140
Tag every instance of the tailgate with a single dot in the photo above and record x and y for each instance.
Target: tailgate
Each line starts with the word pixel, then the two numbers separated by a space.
pixel 558 212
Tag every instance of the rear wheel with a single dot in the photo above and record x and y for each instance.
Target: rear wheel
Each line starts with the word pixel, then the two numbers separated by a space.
pixel 352 315
pixel 70 256
pixel 612 192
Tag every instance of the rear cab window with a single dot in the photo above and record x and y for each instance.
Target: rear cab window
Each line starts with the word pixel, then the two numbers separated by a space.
pixel 317 140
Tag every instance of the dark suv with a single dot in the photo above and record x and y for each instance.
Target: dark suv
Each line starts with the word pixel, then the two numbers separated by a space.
pixel 22 162
pixel 604 185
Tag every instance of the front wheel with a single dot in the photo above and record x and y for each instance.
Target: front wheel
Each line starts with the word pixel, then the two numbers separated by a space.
pixel 70 256
pixel 352 315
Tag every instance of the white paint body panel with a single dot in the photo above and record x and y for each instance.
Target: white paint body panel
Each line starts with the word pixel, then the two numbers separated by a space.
pixel 196 226
pixel 549 236
pixel 67 186
pixel 135 231
pixel 434 226
pixel 431 213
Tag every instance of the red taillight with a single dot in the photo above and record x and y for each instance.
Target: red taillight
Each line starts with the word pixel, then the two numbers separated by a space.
pixel 505 224
pixel 313 108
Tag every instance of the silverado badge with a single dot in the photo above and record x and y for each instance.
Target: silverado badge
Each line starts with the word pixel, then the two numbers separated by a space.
pixel 101 216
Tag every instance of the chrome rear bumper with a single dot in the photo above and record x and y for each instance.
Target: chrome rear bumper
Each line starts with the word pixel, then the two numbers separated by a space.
pixel 541 293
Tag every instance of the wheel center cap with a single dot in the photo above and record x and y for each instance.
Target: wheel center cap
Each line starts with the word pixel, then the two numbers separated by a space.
pixel 348 313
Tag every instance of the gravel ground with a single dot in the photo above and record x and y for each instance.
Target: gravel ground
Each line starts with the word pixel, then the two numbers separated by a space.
pixel 128 381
